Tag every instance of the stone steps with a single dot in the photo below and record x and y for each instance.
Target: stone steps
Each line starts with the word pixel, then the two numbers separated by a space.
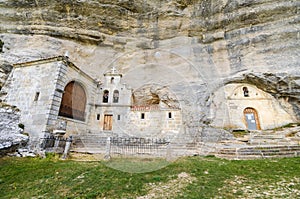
pixel 272 142
pixel 268 136
pixel 262 145
pixel 259 152
pixel 263 138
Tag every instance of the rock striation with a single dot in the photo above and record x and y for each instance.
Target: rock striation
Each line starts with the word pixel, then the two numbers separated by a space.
pixel 183 50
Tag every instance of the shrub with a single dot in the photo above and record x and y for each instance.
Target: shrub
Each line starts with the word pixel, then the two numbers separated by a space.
pixel 21 126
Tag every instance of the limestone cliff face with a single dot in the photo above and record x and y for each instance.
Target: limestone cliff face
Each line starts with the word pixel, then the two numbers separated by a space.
pixel 11 136
pixel 192 47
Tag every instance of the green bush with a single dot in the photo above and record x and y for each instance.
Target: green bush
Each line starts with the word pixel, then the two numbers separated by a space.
pixel 22 126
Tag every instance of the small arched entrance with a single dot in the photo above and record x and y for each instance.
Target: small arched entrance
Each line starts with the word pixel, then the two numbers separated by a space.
pixel 251 118
pixel 73 102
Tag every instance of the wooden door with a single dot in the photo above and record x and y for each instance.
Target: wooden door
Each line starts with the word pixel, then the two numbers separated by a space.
pixel 108 119
pixel 73 101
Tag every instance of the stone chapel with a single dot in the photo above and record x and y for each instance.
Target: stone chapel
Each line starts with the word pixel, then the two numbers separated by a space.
pixel 53 94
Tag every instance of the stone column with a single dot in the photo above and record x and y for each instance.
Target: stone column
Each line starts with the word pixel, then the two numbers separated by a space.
pixel 67 147
pixel 107 149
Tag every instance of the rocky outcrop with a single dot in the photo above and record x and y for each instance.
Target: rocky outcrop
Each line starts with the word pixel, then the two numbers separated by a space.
pixel 11 137
pixel 190 47
pixel 283 86
pixel 4 72
pixel 115 22
pixel 94 21
pixel 155 95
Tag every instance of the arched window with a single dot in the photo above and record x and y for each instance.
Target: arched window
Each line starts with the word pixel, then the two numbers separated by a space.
pixel 251 118
pixel 73 102
pixel 116 96
pixel 105 96
pixel 246 91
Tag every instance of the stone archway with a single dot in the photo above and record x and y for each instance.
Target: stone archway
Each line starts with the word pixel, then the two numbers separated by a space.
pixel 251 118
pixel 73 101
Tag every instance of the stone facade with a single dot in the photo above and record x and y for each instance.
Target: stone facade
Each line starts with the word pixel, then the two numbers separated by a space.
pixel 153 121
pixel 50 92
pixel 54 94
pixel 31 89
pixel 231 102
pixel 112 105
pixel 36 88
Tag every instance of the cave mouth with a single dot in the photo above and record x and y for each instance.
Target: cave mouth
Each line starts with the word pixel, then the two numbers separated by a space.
pixel 282 86
pixel 153 95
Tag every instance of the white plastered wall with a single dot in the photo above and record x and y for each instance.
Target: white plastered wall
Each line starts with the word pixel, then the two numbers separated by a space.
pixel 229 103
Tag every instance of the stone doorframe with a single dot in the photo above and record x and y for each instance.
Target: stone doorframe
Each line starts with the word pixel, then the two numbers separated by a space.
pixel 250 110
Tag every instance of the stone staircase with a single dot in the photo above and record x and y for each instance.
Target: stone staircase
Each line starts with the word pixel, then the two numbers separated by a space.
pixel 257 144
pixel 257 152
pixel 90 143
pixel 184 148
pixel 263 144
pixel 269 138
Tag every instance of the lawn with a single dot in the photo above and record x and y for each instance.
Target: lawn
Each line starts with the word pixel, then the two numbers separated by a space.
pixel 188 177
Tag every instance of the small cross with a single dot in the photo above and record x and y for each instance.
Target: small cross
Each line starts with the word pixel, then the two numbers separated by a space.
pixel 113 70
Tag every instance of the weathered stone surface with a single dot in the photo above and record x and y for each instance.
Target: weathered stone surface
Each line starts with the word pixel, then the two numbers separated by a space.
pixel 11 136
pixel 284 86
pixel 155 95
pixel 4 72
pixel 190 47
pixel 210 134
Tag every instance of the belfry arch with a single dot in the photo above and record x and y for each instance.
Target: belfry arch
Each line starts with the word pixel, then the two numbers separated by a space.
pixel 73 101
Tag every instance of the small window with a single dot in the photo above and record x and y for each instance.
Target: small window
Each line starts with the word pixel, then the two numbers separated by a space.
pixel 170 115
pixel 116 96
pixel 112 80
pixel 105 96
pixel 142 116
pixel 36 97
pixel 246 92
pixel 98 116
pixel 119 117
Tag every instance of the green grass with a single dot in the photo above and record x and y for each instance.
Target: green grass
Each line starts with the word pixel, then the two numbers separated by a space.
pixel 239 133
pixel 212 178
pixel 290 125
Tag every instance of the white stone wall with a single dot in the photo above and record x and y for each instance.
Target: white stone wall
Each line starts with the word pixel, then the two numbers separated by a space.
pixel 150 126
pixel 48 78
pixel 229 103
pixel 119 110
pixel 24 84
pixel 155 123
pixel 119 120
pixel 173 124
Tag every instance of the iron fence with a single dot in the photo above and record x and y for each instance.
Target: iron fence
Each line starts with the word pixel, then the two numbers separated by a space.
pixel 137 146
pixel 53 142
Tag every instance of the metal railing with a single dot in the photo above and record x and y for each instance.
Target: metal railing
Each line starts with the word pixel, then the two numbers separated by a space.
pixel 136 146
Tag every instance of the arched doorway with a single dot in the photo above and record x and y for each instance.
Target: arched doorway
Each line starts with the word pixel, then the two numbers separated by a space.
pixel 251 118
pixel 73 102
